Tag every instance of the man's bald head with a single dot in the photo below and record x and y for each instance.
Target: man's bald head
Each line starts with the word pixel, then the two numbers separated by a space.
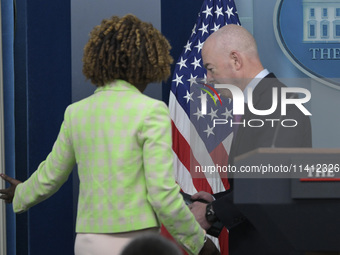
pixel 234 37
pixel 230 56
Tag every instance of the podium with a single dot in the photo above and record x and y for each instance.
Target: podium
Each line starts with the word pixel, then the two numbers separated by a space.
pixel 294 211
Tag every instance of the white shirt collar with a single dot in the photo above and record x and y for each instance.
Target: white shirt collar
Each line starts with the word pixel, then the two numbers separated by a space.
pixel 252 85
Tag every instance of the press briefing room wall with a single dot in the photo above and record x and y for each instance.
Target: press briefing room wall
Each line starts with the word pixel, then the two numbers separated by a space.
pixel 48 43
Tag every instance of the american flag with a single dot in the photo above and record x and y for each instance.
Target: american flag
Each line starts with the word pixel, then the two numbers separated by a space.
pixel 197 144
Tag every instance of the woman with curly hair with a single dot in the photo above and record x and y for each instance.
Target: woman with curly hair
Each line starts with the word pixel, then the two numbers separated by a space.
pixel 120 140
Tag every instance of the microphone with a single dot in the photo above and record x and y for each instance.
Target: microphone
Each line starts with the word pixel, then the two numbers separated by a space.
pixel 278 124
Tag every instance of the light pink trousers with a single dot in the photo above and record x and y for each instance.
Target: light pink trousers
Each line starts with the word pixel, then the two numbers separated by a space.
pixel 106 244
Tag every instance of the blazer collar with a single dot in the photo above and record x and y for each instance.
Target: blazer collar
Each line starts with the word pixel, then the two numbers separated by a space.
pixel 257 93
pixel 262 87
pixel 254 82
pixel 117 85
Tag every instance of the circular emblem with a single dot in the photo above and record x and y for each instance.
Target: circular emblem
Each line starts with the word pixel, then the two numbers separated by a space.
pixel 308 32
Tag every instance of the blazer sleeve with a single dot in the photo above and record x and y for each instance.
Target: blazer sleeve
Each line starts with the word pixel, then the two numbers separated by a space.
pixel 163 192
pixel 50 175
pixel 225 209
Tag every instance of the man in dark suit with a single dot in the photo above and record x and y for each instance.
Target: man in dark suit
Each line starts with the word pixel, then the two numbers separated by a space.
pixel 230 57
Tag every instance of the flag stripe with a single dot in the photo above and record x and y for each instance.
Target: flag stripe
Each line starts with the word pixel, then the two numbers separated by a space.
pixel 200 146
pixel 220 158
pixel 199 155
pixel 179 117
pixel 184 155
pixel 183 177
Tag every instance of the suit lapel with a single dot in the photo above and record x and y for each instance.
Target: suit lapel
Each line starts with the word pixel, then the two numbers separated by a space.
pixel 257 93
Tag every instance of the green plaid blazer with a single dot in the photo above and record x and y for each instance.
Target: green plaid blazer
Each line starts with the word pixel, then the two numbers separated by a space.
pixel 120 140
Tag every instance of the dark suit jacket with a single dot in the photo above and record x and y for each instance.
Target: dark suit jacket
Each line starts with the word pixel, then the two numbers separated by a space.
pixel 243 237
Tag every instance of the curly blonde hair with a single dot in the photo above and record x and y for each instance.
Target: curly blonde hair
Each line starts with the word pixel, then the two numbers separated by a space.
pixel 126 48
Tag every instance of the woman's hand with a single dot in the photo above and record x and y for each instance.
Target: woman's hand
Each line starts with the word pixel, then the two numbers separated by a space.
pixel 8 194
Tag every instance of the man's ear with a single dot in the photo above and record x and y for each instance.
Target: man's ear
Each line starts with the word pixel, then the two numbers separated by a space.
pixel 236 60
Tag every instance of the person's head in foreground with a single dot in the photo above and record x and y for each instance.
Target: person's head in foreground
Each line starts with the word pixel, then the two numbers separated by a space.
pixel 151 244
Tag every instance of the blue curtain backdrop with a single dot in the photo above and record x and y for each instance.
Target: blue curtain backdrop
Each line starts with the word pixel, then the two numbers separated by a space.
pixel 37 89
pixel 42 63
pixel 7 21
